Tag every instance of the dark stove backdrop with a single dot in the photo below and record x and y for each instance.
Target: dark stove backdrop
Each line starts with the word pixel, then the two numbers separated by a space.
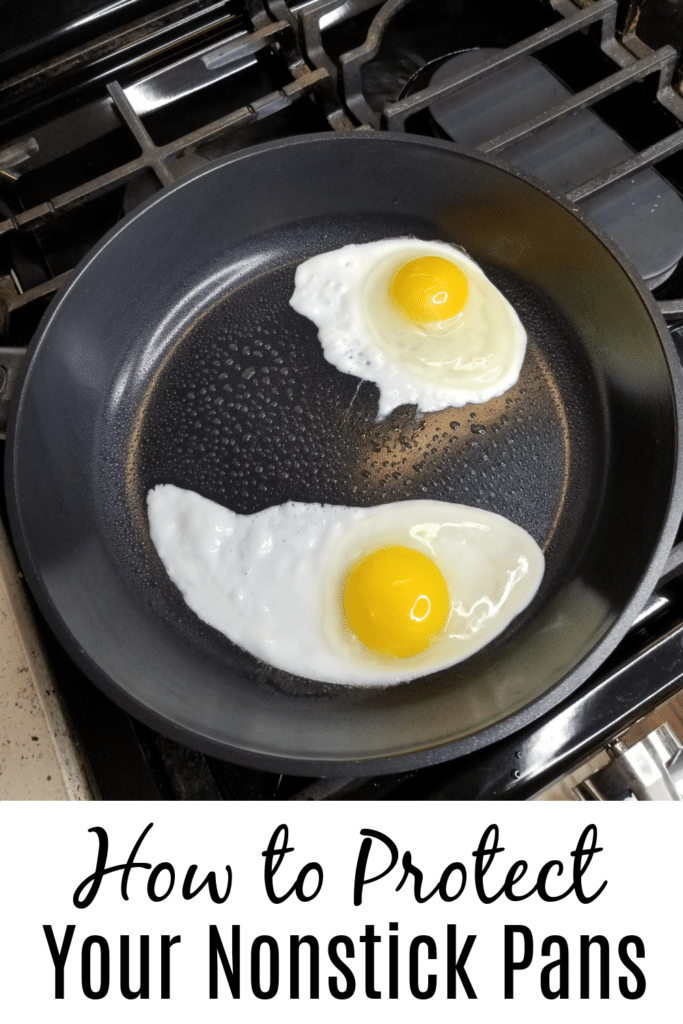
pixel 214 77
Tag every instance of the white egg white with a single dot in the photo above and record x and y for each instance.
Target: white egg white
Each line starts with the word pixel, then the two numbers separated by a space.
pixel 272 582
pixel 473 357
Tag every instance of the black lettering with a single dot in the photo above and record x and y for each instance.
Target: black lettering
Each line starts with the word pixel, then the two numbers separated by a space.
pixel 369 938
pixel 166 942
pixel 209 881
pixel 443 883
pixel 543 878
pixel 86 967
pixel 414 965
pixel 59 955
pixel 152 881
pixel 517 871
pixel 512 965
pixel 639 977
pixel 274 856
pixel 586 942
pixel 273 967
pixel 295 944
pixel 312 868
pixel 410 869
pixel 393 961
pixel 562 965
pixel 483 859
pixel 230 970
pixel 89 887
pixel 488 849
pixel 126 990
pixel 344 969
pixel 583 855
pixel 456 964
pixel 361 865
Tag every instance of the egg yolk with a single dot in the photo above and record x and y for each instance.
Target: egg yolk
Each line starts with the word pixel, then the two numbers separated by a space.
pixel 429 289
pixel 396 601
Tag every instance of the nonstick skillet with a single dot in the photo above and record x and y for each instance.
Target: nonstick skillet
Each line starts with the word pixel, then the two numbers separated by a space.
pixel 173 356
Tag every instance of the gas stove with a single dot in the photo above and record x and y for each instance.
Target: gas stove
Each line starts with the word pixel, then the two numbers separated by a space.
pixel 103 105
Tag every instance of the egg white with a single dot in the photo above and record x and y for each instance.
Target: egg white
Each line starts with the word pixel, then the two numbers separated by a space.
pixel 272 582
pixel 472 357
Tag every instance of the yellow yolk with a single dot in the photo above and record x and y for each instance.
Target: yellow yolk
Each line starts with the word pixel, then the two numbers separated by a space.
pixel 429 289
pixel 396 601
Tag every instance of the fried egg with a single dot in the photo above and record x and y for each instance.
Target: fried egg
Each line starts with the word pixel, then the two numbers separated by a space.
pixel 419 319
pixel 357 596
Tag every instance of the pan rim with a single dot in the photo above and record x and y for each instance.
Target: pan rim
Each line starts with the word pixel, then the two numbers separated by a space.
pixel 418 756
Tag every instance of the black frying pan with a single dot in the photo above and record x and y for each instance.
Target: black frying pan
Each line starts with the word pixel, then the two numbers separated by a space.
pixel 173 356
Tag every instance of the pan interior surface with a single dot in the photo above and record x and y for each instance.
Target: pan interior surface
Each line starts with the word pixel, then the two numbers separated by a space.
pixel 176 358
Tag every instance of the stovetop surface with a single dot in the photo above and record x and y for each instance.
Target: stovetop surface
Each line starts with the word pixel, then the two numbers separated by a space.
pixel 103 105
